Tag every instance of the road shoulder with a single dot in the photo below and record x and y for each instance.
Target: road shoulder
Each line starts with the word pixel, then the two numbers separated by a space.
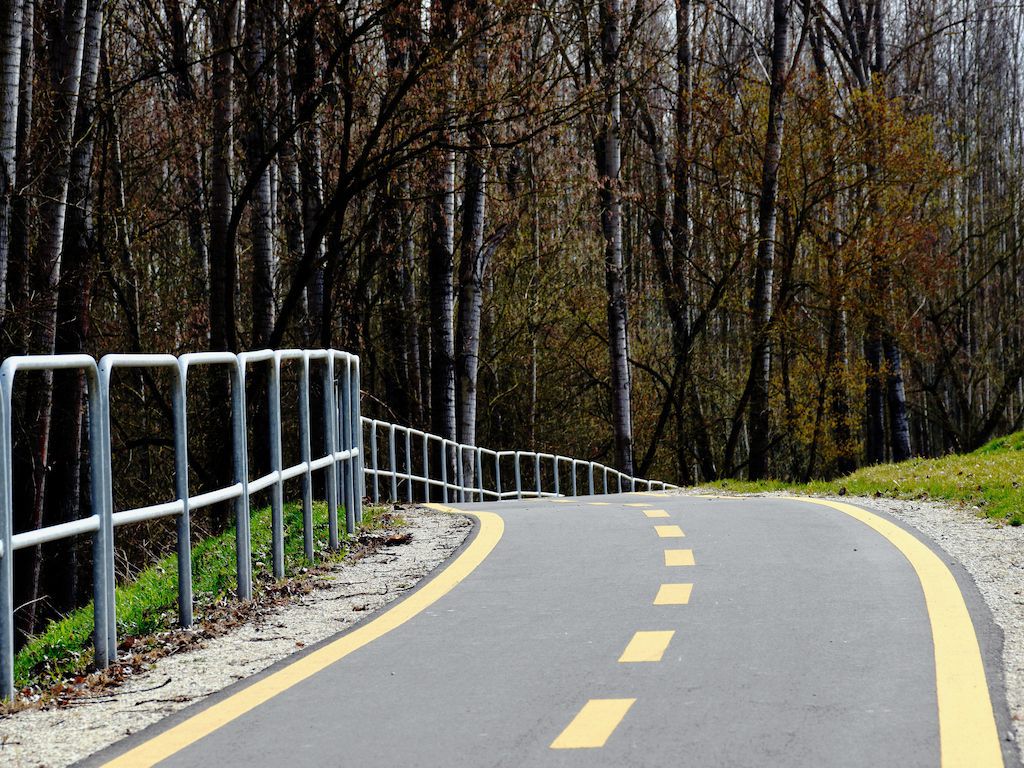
pixel 352 594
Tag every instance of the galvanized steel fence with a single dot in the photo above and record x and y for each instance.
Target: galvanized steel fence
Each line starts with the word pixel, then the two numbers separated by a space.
pixel 418 467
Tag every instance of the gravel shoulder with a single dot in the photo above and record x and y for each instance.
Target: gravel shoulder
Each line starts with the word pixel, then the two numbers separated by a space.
pixel 992 554
pixel 346 593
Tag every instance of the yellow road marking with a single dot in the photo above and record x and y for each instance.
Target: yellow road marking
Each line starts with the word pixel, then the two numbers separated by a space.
pixel 599 503
pixel 662 494
pixel 968 736
pixel 647 646
pixel 656 513
pixel 678 557
pixel 165 744
pixel 673 594
pixel 669 531
pixel 637 504
pixel 593 725
pixel 560 501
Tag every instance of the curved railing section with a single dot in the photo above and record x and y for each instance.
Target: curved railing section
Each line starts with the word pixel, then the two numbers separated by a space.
pixel 417 466
pixel 410 465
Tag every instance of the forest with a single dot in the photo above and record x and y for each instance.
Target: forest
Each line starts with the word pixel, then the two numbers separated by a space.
pixel 693 239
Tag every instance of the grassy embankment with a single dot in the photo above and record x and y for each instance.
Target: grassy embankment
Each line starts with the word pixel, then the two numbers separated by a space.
pixel 990 478
pixel 148 604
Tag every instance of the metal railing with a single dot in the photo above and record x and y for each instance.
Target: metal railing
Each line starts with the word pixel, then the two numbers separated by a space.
pixel 340 459
pixel 434 469
pixel 424 467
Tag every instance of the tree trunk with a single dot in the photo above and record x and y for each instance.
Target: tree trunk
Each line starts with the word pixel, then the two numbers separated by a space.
pixel 223 19
pixel 261 104
pixel 64 490
pixel 410 319
pixel 608 156
pixel 834 385
pixel 66 25
pixel 18 269
pixel 761 301
pixel 440 216
pixel 899 427
pixel 11 12
pixel 875 398
pixel 473 256
pixel 223 269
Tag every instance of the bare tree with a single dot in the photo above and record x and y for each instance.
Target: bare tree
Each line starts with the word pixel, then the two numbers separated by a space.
pixel 761 299
pixel 608 151
pixel 440 215
pixel 11 12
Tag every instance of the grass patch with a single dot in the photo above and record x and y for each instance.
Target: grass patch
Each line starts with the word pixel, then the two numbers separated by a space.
pixel 149 603
pixel 989 478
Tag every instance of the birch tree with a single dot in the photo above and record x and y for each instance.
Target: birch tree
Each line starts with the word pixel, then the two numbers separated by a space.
pixel 608 149
pixel 761 299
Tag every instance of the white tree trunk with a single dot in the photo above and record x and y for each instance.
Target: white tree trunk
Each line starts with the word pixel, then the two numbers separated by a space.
pixel 609 162
pixel 10 79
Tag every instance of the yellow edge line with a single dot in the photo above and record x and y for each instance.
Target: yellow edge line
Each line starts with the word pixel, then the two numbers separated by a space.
pixel 968 735
pixel 165 744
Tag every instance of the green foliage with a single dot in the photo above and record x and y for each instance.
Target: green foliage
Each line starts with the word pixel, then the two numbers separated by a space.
pixel 148 604
pixel 989 478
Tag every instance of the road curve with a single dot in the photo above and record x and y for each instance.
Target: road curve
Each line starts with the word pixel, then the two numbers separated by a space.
pixel 637 630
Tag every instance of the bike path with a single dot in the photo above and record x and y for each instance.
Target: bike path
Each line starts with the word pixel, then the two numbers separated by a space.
pixel 789 634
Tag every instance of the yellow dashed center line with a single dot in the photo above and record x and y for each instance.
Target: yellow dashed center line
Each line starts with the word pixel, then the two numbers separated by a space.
pixel 678 557
pixel 593 725
pixel 673 594
pixel 647 646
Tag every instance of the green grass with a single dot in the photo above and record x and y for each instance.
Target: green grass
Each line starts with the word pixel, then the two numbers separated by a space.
pixel 990 478
pixel 148 604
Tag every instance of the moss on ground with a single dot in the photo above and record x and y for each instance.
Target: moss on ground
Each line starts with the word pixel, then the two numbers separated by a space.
pixel 990 478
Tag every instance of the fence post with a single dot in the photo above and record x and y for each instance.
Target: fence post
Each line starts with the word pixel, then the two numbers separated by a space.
pixel 426 469
pixel 6 547
pixel 408 465
pixel 444 471
pixel 536 474
pixel 306 454
pixel 393 463
pixel 590 478
pixel 277 489
pixel 184 524
pixel 557 493
pixel 347 442
pixel 357 442
pixel 519 478
pixel 479 471
pixel 240 446
pixel 373 461
pixel 104 608
pixel 460 472
pixel 330 448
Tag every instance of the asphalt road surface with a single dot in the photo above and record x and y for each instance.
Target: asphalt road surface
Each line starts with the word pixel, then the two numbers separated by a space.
pixel 637 630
